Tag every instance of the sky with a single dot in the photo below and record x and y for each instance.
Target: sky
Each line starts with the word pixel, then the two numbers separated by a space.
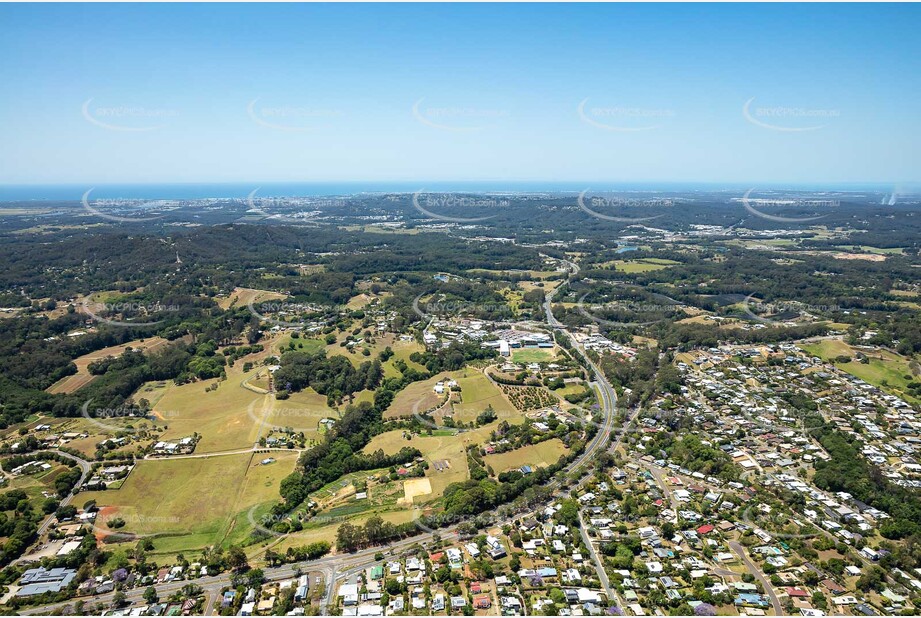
pixel 770 94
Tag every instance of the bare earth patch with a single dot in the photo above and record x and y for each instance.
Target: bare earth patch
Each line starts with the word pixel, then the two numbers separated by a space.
pixel 416 487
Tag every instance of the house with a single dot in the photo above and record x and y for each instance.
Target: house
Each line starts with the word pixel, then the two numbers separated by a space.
pixel 588 596
pixel 496 549
pixel 482 602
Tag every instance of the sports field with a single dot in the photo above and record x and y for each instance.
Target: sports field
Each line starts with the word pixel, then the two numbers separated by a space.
pixel 533 355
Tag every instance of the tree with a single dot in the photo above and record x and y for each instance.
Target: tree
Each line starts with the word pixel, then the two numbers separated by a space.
pixel 236 558
pixel 819 601
pixel 118 599
pixel 151 596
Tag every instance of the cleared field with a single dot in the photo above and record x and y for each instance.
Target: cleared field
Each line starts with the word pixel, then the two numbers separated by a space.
pixel 245 296
pixel 416 487
pixel 641 265
pixel 535 455
pixel 223 417
pixel 417 392
pixel 302 411
pixel 885 369
pixel 477 392
pixel 301 344
pixel 95 433
pixel 37 484
pixel 402 350
pixel 533 355
pixel 363 299
pixel 571 389
pixel 869 249
pixel 83 377
pixel 193 502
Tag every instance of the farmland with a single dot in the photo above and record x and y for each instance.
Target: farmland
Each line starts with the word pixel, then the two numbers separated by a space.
pixel 83 377
pixel 245 296
pixel 174 500
pixel 477 393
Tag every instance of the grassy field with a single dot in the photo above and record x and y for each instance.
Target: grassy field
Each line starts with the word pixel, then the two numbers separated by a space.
pixel 326 531
pixel 301 344
pixel 417 392
pixel 95 433
pixel 869 249
pixel 535 455
pixel 642 265
pixel 401 351
pixel 883 366
pixel 244 296
pixel 302 411
pixel 193 502
pixel 533 355
pixel 477 392
pixel 35 485
pixel 546 286
pixel 83 377
pixel 223 417
pixel 365 298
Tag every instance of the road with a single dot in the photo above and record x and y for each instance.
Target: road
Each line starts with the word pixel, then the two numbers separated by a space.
pixel 599 566
pixel 754 570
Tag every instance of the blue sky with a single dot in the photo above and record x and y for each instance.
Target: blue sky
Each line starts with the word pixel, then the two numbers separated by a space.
pixel 315 93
